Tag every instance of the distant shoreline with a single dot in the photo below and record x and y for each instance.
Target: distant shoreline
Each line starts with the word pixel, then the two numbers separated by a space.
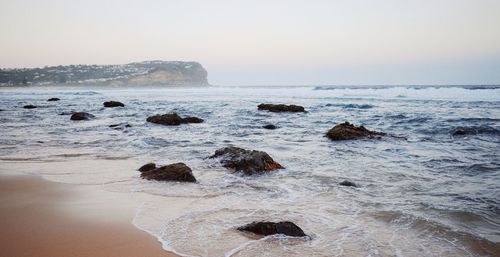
pixel 318 87
pixel 134 74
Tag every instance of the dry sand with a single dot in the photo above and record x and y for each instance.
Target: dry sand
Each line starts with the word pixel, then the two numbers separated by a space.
pixel 33 222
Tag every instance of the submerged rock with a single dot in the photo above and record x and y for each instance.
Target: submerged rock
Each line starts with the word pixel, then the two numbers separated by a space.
pixel 172 119
pixel 120 126
pixel 273 228
pixel 67 113
pixel 174 172
pixel 249 162
pixel 281 108
pixel 192 120
pixel 53 99
pixel 82 116
pixel 113 104
pixel 29 106
pixel 147 167
pixel 460 132
pixel 347 131
pixel 269 126
pixel 348 183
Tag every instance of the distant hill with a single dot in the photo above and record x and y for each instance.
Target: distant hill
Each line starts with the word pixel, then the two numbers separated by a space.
pixel 132 74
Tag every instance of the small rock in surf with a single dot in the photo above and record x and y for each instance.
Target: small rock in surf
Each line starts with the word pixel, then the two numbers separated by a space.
pixel 246 161
pixel 82 116
pixel 179 172
pixel 348 183
pixel 113 104
pixel 273 228
pixel 347 131
pixel 269 126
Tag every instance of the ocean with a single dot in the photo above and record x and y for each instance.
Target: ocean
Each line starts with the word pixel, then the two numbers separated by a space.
pixel 430 188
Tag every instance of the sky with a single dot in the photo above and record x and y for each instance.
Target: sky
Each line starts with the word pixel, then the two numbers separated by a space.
pixel 268 42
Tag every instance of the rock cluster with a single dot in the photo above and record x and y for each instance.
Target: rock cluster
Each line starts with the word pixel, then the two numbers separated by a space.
pixel 172 119
pixel 280 108
pixel 246 161
pixel 347 131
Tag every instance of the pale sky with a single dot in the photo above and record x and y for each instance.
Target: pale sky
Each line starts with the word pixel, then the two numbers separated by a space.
pixel 268 42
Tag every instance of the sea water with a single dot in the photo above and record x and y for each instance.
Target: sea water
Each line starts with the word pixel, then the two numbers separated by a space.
pixel 423 190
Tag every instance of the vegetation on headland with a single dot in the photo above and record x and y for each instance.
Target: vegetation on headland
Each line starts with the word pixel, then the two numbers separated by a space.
pixel 138 73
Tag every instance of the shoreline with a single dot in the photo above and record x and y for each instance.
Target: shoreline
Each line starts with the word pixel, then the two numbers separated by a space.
pixel 37 220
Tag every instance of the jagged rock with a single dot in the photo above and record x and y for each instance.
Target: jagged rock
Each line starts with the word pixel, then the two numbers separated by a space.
pixel 269 126
pixel 281 108
pixel 347 131
pixel 113 104
pixel 348 183
pixel 272 228
pixel 81 116
pixel 53 99
pixel 173 172
pixel 172 119
pixel 29 106
pixel 249 162
pixel 147 167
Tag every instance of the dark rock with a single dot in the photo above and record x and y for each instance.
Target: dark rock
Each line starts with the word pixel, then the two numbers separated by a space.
pixel 53 99
pixel 461 132
pixel 81 116
pixel 147 167
pixel 192 120
pixel 272 228
pixel 29 106
pixel 348 183
pixel 347 131
pixel 173 172
pixel 113 104
pixel 172 119
pixel 269 126
pixel 281 108
pixel 249 162
pixel 120 126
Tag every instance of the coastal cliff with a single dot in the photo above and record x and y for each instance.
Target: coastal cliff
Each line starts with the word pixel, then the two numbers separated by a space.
pixel 132 74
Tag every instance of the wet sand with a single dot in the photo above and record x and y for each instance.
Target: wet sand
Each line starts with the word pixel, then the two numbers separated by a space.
pixel 35 221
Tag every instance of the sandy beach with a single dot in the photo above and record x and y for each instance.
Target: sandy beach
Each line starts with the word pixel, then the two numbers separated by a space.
pixel 35 221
